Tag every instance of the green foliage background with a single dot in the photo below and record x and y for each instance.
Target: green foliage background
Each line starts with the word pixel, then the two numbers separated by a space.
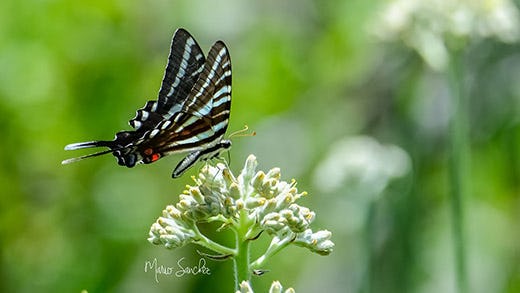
pixel 306 74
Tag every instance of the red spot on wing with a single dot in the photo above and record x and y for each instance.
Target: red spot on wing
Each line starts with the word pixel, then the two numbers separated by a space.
pixel 155 157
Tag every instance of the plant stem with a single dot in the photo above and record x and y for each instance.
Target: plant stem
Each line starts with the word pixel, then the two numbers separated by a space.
pixel 210 244
pixel 458 164
pixel 241 260
pixel 274 248
pixel 369 247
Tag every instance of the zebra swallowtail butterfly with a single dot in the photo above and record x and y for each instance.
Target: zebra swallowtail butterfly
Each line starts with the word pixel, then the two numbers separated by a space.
pixel 190 115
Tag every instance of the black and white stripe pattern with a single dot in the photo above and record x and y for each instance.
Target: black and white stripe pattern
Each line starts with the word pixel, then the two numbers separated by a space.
pixel 185 63
pixel 190 115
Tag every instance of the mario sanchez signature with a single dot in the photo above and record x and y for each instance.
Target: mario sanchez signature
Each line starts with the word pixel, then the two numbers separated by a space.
pixel 200 268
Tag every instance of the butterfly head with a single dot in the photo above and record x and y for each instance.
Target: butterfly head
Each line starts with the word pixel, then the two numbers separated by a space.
pixel 224 146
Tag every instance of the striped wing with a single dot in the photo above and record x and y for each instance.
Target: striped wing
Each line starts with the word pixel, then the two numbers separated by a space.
pixel 185 64
pixel 205 114
pixel 203 119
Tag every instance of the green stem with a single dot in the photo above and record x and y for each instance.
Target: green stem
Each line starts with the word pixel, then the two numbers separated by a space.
pixel 212 245
pixel 458 164
pixel 369 246
pixel 273 249
pixel 241 260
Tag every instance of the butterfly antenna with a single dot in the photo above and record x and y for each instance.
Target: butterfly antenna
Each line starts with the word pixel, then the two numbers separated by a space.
pixel 240 132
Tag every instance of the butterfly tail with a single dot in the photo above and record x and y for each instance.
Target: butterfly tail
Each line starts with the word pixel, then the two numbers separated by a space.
pixel 88 144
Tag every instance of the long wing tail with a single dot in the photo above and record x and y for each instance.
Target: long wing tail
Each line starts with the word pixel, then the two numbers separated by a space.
pixel 88 144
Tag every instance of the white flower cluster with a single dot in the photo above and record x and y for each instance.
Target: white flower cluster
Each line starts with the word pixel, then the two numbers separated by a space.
pixel 269 204
pixel 171 229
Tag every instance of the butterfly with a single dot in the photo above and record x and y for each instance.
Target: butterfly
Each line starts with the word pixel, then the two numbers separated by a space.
pixel 190 115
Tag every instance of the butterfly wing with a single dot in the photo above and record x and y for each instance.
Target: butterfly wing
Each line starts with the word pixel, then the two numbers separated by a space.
pixel 203 119
pixel 205 114
pixel 185 63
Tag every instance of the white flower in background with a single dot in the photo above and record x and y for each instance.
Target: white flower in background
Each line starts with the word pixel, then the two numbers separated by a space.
pixel 363 161
pixel 427 25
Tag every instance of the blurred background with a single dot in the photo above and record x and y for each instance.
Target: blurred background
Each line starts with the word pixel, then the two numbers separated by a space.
pixel 354 99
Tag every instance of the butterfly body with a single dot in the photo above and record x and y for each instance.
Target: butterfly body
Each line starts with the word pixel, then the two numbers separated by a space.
pixel 190 115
